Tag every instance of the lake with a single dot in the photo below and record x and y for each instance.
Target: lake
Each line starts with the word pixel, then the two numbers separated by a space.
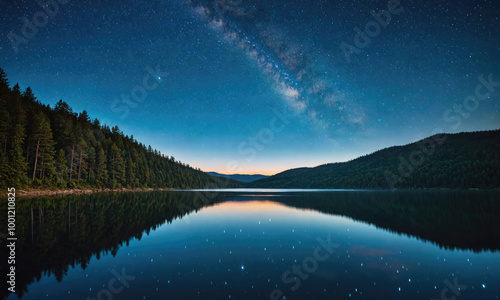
pixel 259 244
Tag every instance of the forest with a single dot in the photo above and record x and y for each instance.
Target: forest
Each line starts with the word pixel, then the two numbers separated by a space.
pixel 44 147
pixel 452 161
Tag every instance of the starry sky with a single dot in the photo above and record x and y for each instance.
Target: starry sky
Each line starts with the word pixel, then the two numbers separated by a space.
pixel 240 86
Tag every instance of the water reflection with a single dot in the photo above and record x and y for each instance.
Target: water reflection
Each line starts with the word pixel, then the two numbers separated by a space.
pixel 258 236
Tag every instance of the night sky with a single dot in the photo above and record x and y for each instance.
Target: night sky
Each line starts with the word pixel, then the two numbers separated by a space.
pixel 263 85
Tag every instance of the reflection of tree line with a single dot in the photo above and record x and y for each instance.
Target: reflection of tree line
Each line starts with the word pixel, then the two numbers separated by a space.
pixel 67 231
pixel 450 219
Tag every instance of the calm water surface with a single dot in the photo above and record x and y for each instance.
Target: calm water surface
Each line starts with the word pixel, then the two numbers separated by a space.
pixel 259 244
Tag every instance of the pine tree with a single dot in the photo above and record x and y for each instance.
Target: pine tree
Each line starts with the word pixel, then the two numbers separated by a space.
pixel 16 90
pixel 62 124
pixel 4 169
pixel 61 167
pixel 4 84
pixel 4 129
pixel 82 158
pixel 29 96
pixel 117 167
pixel 44 154
pixel 130 172
pixel 19 166
pixel 76 140
pixel 57 145
pixel 101 171
pixel 91 165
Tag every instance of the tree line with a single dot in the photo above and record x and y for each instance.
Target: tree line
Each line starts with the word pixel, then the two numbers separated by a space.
pixel 44 147
pixel 459 161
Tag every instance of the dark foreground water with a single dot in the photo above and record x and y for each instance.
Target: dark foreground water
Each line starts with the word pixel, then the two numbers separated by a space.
pixel 252 244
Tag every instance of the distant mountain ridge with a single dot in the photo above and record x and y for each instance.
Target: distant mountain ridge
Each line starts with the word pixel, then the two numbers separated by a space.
pixel 462 160
pixel 240 177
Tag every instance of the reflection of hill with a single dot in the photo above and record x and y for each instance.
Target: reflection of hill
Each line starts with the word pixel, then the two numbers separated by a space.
pixel 68 231
pixel 58 232
pixel 450 219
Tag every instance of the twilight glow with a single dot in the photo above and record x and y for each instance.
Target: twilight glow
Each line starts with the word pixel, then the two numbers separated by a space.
pixel 237 86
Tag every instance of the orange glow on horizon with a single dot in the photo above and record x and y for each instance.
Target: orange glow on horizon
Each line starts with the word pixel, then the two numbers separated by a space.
pixel 245 207
pixel 270 166
pixel 265 173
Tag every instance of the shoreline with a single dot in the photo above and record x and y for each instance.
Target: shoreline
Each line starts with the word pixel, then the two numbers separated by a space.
pixel 22 193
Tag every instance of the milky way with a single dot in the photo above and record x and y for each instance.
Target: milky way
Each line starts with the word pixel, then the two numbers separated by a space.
pixel 287 63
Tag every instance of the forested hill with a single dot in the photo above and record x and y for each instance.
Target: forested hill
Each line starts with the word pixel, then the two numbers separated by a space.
pixel 43 147
pixel 464 160
pixel 240 177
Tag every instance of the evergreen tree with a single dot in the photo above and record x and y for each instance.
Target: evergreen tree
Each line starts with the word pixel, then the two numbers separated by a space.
pixel 29 96
pixel 4 85
pixel 130 172
pixel 52 147
pixel 4 129
pixel 44 154
pixel 4 169
pixel 19 166
pixel 117 167
pixel 61 168
pixel 101 170
pixel 91 165
pixel 82 158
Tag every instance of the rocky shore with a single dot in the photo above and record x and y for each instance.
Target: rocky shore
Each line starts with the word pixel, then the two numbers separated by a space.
pixel 36 193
